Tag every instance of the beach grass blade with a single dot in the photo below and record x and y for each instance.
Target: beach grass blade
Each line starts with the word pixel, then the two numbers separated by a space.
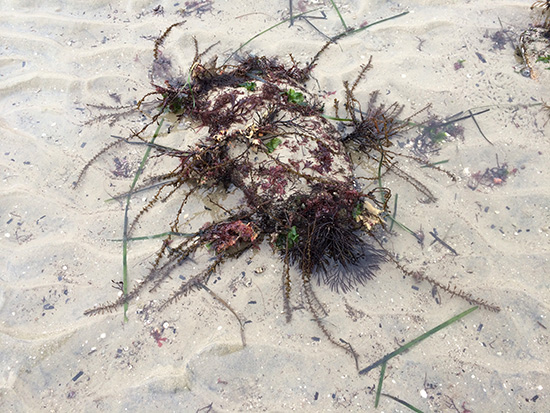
pixel 384 360
pixel 416 340
pixel 403 402
pixel 432 164
pixel 156 236
pixel 380 381
pixel 125 228
pixel 339 15
pixel 393 220
pixel 265 31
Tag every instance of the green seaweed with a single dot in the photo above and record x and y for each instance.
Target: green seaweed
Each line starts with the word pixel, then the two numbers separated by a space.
pixel 272 144
pixel 295 97
pixel 250 86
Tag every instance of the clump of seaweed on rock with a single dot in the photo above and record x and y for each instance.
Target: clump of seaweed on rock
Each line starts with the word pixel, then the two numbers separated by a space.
pixel 542 7
pixel 264 138
pixel 533 44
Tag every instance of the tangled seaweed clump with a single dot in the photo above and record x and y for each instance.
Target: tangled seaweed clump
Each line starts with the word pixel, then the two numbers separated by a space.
pixel 533 46
pixel 268 141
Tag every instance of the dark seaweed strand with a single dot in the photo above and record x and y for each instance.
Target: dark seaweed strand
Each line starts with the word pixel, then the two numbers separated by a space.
pixel 311 299
pixel 157 274
pixel 175 258
pixel 107 307
pixel 451 290
pixel 419 186
pixel 194 283
pixel 200 280
pixel 178 255
pixel 111 306
pixel 428 165
pixel 177 185
pixel 93 160
pixel 316 309
pixel 286 283
pixel 160 40
pixel 174 226
pixel 362 74
pixel 156 198
pixel 226 305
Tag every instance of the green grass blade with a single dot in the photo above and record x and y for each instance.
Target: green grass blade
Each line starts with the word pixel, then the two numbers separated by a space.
pixel 125 228
pixel 403 402
pixel 339 15
pixel 400 225
pixel 265 31
pixel 416 341
pixel 380 174
pixel 380 381
pixel 190 86
pixel 156 236
pixel 145 189
pixel 350 32
pixel 377 22
pixel 393 221
pixel 336 119
pixel 431 165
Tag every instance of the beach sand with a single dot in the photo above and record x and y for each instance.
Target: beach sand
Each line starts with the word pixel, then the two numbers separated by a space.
pixel 61 59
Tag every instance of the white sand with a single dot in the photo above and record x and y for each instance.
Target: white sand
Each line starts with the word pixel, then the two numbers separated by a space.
pixel 56 258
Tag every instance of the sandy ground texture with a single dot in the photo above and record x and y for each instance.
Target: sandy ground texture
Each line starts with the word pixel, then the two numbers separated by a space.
pixel 60 60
